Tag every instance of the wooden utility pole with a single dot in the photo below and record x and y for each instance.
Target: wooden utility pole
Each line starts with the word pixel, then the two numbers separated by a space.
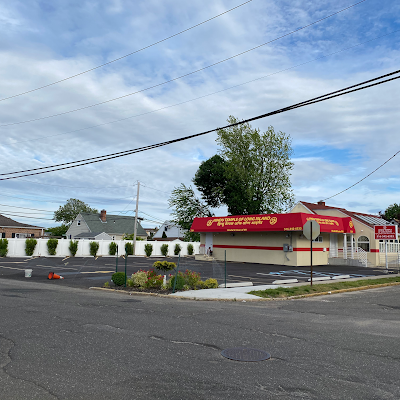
pixel 136 218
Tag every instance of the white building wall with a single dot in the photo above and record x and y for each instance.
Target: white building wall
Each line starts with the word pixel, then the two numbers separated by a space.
pixel 16 248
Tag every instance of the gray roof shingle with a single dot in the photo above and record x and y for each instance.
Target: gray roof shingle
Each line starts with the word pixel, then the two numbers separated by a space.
pixel 115 224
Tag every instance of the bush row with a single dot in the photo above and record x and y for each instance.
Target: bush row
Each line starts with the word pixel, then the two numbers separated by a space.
pixel 30 245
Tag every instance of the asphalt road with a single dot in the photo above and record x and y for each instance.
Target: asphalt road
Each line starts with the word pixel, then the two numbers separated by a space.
pixel 69 343
pixel 87 272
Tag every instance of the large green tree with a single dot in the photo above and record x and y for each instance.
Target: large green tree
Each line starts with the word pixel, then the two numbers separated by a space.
pixel 185 207
pixel 68 212
pixel 58 230
pixel 251 173
pixel 392 212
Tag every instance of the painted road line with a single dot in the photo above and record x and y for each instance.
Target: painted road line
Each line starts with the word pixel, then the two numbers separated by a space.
pixel 53 267
pixel 282 281
pixel 19 269
pixel 320 278
pixel 65 258
pixel 341 277
pixel 13 262
pixel 96 272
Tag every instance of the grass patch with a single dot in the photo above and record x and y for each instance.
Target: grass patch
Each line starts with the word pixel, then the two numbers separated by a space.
pixel 321 288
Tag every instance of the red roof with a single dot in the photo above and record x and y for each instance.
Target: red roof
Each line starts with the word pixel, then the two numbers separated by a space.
pixel 321 206
pixel 271 222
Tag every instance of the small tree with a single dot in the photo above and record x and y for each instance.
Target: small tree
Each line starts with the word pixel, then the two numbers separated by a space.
pixel 129 249
pixel 118 278
pixel 148 249
pixel 164 249
pixel 30 245
pixel 3 247
pixel 177 249
pixel 52 246
pixel 94 248
pixel 112 248
pixel 190 249
pixel 164 265
pixel 73 247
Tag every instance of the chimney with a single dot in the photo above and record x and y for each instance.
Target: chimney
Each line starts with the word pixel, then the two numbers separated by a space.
pixel 321 203
pixel 103 216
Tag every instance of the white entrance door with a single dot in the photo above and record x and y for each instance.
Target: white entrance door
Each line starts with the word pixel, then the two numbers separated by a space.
pixel 209 241
pixel 333 245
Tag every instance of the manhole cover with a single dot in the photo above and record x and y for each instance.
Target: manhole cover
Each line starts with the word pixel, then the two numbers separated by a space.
pixel 245 354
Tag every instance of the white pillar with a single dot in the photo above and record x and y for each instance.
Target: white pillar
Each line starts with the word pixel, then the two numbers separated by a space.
pixel 345 246
pixel 352 246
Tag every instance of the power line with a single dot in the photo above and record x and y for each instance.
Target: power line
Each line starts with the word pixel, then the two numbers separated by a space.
pixel 126 55
pixel 206 95
pixel 148 187
pixel 25 208
pixel 80 187
pixel 24 216
pixel 337 93
pixel 181 76
pixel 365 177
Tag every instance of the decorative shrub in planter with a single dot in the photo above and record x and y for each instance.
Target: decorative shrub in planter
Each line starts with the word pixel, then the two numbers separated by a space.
pixel 177 249
pixel 190 249
pixel 112 248
pixel 129 249
pixel 52 246
pixel 211 283
pixel 118 278
pixel 164 249
pixel 30 245
pixel 73 247
pixel 153 280
pixel 148 249
pixel 94 248
pixel 180 282
pixel 139 278
pixel 3 247
pixel 164 265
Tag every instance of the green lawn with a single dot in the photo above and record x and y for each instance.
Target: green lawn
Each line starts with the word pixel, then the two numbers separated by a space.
pixel 321 288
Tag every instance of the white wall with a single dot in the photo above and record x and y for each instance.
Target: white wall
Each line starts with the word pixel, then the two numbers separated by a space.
pixel 16 248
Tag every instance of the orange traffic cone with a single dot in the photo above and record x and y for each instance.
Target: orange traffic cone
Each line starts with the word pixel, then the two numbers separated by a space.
pixel 52 275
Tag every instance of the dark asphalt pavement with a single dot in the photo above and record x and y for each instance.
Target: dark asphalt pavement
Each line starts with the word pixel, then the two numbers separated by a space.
pixel 70 343
pixel 87 272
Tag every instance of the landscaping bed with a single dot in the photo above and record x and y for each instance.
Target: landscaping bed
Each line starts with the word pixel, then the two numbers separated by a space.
pixel 325 288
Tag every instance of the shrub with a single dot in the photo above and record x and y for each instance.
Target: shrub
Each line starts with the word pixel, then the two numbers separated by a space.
pixel 164 265
pixel 107 284
pixel 164 249
pixel 52 246
pixel 180 282
pixel 190 249
pixel 94 248
pixel 148 249
pixel 129 282
pixel 177 249
pixel 30 245
pixel 118 278
pixel 211 283
pixel 129 249
pixel 153 280
pixel 3 247
pixel 112 248
pixel 139 278
pixel 201 285
pixel 191 278
pixel 73 247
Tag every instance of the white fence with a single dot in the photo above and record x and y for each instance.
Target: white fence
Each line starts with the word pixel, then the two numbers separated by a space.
pixel 16 248
pixel 391 247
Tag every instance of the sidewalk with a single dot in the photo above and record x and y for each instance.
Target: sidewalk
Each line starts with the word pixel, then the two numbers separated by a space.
pixel 242 293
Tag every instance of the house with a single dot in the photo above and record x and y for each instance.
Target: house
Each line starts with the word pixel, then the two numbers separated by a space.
pixel 346 237
pixel 13 229
pixel 93 236
pixel 170 231
pixel 114 226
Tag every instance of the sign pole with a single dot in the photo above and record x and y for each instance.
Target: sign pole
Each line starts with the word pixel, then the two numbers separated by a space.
pixel 386 256
pixel 311 239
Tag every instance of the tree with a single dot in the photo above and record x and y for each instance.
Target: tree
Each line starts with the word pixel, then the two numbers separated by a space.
pixel 58 230
pixel 392 212
pixel 186 206
pixel 68 212
pixel 251 174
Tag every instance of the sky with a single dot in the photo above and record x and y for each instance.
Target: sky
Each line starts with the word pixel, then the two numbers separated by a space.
pixel 335 143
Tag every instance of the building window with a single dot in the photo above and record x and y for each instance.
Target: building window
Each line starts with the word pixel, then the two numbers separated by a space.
pixel 3 235
pixel 363 242
pixel 32 235
pixel 79 222
pixel 13 235
pixel 318 239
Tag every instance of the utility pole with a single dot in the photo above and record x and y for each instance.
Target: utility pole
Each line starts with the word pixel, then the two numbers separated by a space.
pixel 136 218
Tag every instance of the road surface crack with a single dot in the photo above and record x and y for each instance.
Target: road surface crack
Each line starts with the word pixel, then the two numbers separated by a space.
pixel 154 337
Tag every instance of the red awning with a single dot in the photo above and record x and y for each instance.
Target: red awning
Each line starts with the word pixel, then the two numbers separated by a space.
pixel 271 223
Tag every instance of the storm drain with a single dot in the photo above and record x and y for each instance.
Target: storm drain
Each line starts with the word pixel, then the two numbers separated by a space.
pixel 245 354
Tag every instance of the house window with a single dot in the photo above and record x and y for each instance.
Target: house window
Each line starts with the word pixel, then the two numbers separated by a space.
pixel 3 235
pixel 165 229
pixel 363 242
pixel 32 235
pixel 79 222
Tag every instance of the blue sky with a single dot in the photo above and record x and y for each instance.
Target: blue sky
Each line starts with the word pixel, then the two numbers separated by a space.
pixel 335 143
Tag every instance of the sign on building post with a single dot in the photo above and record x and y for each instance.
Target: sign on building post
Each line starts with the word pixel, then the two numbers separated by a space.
pixel 311 230
pixel 385 232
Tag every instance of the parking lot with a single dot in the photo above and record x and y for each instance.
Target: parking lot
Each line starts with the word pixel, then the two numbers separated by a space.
pixel 89 271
